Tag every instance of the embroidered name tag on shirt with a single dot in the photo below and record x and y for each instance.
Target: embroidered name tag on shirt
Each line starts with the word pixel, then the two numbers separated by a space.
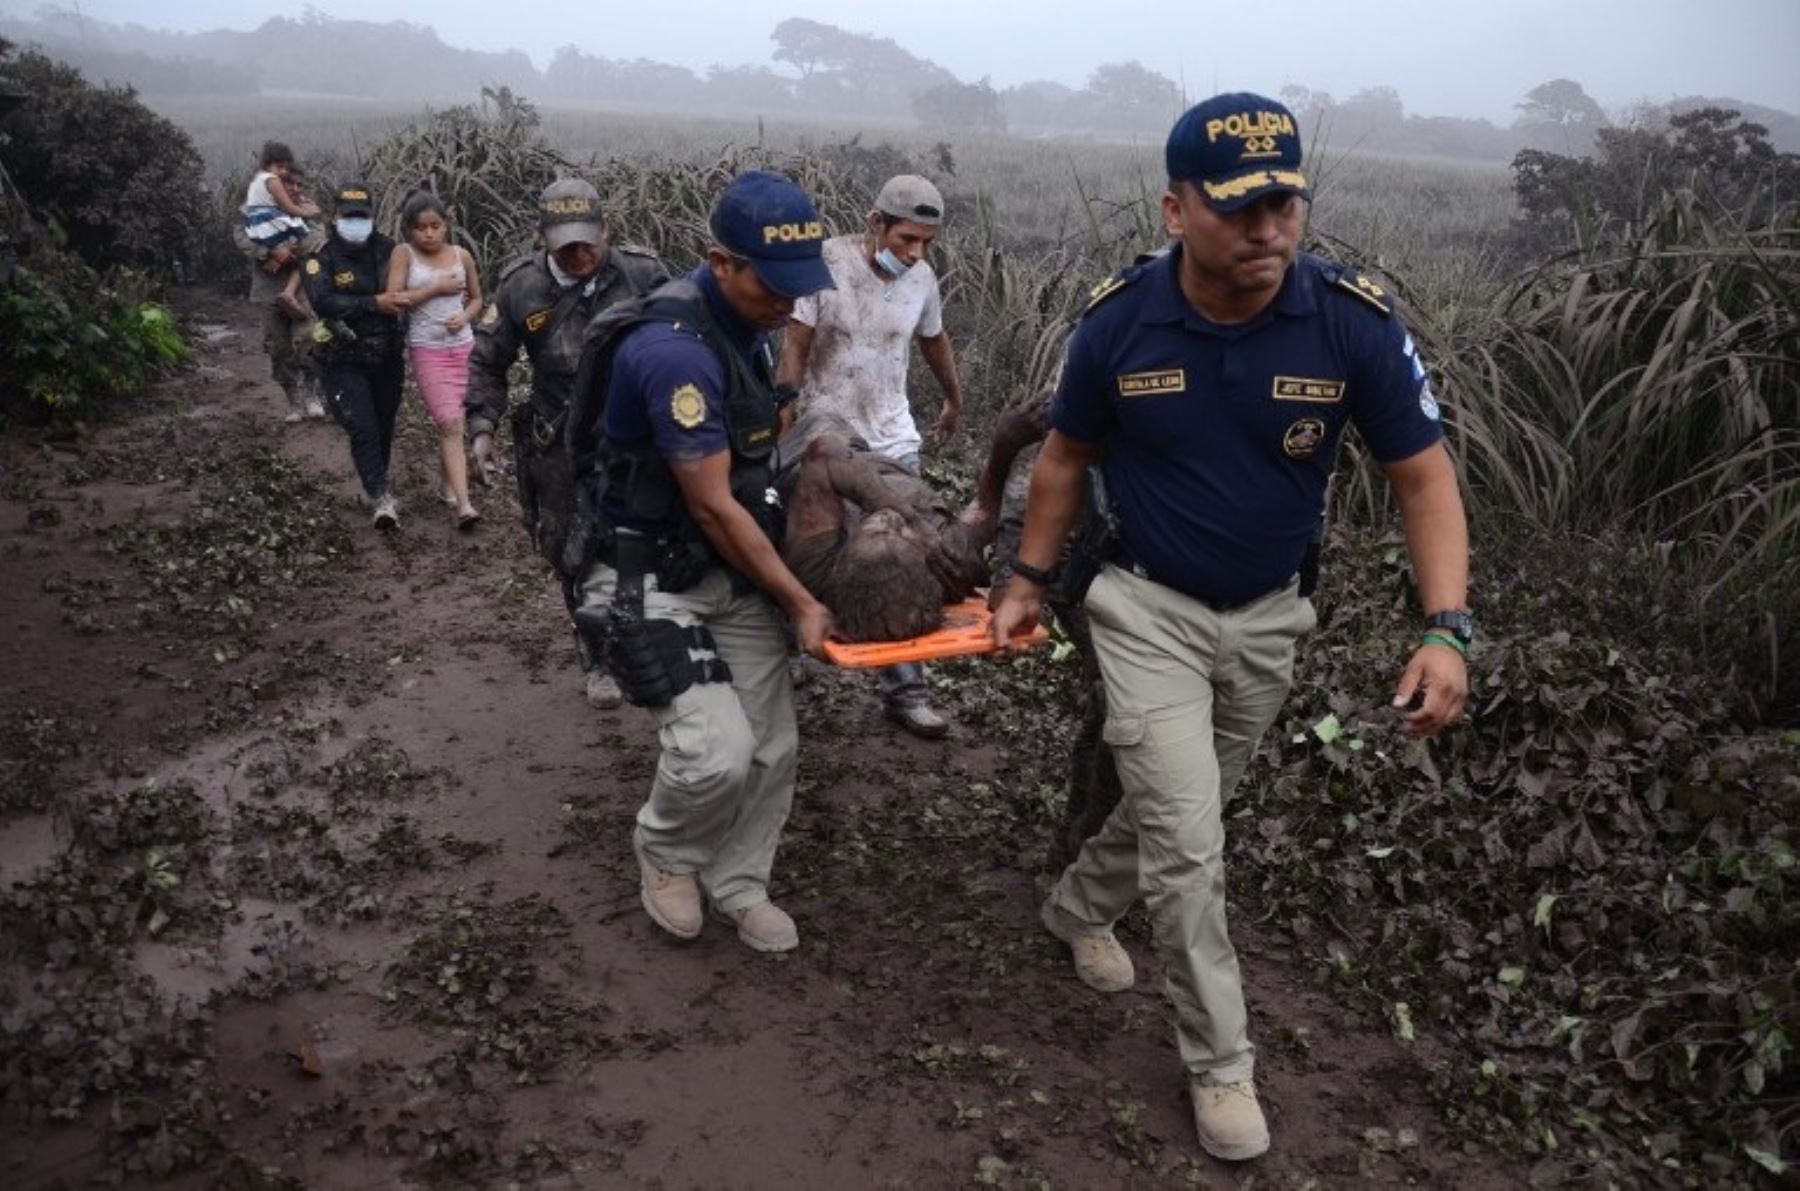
pixel 1300 388
pixel 1145 384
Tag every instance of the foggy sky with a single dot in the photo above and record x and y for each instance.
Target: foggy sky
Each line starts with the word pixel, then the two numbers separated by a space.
pixel 1446 58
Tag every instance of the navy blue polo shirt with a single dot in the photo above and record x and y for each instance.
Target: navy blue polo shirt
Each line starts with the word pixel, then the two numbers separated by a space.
pixel 668 387
pixel 1220 438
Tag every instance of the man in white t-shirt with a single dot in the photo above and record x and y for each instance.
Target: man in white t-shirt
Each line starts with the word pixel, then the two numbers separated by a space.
pixel 847 351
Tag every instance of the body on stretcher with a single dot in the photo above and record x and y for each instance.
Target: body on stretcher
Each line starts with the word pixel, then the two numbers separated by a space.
pixel 965 632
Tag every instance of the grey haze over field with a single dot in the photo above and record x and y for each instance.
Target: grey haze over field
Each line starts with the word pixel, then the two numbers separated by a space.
pixel 1448 58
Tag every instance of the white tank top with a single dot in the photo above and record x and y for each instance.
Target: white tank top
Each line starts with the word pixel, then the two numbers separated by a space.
pixel 425 323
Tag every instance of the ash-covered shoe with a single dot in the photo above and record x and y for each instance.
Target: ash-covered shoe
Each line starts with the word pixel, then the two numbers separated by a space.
pixel 603 693
pixel 1100 960
pixel 765 927
pixel 1229 1120
pixel 671 899
pixel 387 512
pixel 921 719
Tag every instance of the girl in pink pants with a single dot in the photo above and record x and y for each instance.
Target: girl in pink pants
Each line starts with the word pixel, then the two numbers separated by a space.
pixel 446 290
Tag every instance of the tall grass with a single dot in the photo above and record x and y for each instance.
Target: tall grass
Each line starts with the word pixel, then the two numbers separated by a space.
pixel 1650 385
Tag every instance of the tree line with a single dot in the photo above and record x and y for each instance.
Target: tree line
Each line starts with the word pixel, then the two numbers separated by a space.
pixel 813 68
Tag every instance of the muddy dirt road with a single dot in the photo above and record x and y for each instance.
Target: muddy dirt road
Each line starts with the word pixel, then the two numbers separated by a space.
pixel 316 873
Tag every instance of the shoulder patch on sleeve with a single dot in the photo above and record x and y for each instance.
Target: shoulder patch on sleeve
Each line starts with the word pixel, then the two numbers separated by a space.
pixel 687 406
pixel 312 266
pixel 1368 291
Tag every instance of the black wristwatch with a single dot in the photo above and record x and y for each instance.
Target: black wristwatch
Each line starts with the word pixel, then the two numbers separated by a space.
pixel 1457 622
pixel 1025 570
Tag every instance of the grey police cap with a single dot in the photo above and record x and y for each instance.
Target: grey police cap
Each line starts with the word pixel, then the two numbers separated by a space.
pixel 569 213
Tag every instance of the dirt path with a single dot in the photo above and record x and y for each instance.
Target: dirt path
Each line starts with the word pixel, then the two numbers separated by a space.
pixel 317 874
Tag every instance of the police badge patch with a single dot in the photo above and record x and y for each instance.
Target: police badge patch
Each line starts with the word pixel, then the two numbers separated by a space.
pixel 1428 402
pixel 312 266
pixel 688 407
pixel 1303 438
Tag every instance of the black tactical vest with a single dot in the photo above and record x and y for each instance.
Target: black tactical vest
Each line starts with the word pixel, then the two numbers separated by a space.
pixel 634 478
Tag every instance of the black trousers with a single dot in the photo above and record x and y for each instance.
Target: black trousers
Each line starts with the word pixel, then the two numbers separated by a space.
pixel 365 398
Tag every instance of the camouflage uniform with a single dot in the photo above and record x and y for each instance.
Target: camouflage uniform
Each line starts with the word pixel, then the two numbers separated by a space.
pixel 532 310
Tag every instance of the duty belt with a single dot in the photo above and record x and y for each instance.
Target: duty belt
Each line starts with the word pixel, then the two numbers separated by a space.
pixel 1123 559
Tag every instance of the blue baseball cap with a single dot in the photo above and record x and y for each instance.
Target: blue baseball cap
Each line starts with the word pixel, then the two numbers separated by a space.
pixel 768 220
pixel 1236 148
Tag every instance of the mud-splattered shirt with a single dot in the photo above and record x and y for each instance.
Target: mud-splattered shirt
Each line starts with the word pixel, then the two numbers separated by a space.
pixel 862 333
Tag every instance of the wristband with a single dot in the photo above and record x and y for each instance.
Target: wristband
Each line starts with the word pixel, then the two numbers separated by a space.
pixel 1025 570
pixel 1435 638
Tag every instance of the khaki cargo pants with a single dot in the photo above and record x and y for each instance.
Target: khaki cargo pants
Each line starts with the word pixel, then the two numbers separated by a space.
pixel 725 781
pixel 1189 692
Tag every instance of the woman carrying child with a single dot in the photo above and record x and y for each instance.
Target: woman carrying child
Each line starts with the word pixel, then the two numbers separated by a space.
pixel 444 287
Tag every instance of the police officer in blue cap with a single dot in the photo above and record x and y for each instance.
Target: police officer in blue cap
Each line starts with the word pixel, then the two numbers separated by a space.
pixel 672 434
pixel 1212 385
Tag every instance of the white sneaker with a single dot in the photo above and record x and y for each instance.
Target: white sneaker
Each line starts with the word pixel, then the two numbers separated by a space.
pixel 291 416
pixel 387 513
pixel 314 408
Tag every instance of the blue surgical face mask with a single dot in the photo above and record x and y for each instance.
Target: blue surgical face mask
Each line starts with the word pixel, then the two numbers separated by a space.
pixel 355 230
pixel 890 264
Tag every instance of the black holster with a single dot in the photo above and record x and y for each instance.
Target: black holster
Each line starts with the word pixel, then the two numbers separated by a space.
pixel 651 659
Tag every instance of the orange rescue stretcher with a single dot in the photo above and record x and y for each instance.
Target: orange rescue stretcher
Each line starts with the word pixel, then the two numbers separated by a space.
pixel 965 632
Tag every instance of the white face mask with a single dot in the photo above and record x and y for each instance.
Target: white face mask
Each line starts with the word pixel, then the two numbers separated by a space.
pixel 890 264
pixel 355 229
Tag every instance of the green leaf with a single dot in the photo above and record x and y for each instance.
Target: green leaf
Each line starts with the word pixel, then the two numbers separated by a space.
pixel 1541 915
pixel 1768 1161
pixel 1512 977
pixel 1401 1013
pixel 1380 853
pixel 1328 729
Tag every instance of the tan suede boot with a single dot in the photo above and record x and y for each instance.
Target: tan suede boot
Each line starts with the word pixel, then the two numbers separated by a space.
pixel 671 899
pixel 1100 960
pixel 765 927
pixel 1229 1120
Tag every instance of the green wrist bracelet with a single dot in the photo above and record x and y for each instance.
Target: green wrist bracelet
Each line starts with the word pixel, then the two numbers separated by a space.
pixel 1447 639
